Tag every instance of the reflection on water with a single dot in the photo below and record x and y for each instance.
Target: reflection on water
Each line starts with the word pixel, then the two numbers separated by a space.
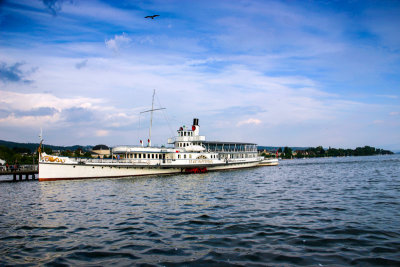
pixel 335 211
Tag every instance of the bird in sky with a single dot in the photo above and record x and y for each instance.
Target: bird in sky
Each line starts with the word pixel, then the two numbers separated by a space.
pixel 152 17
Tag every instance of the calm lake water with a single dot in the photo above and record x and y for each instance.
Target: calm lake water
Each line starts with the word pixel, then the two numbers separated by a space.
pixel 333 211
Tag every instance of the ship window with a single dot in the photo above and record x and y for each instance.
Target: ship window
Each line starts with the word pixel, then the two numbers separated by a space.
pixel 190 156
pixel 139 156
pixel 152 156
pixel 184 156
pixel 135 155
pixel 179 156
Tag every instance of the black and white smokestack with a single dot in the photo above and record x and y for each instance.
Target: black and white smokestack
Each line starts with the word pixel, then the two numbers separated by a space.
pixel 196 122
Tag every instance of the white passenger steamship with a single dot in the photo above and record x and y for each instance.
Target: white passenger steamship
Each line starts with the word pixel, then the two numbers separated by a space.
pixel 190 153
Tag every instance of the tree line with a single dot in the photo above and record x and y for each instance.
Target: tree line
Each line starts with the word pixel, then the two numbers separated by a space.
pixel 319 151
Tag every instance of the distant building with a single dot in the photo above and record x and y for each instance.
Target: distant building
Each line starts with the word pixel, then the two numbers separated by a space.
pixel 100 151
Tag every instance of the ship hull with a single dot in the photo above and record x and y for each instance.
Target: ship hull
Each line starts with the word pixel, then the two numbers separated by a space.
pixel 269 162
pixel 62 171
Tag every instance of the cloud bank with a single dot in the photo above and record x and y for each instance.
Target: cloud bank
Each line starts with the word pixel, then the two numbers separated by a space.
pixel 272 72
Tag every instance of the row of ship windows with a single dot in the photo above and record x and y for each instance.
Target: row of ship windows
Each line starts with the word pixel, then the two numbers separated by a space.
pixel 188 144
pixel 144 156
pixel 159 156
pixel 190 156
pixel 235 156
pixel 185 133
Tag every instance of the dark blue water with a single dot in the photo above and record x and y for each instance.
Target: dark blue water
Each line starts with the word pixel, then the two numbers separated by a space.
pixel 334 211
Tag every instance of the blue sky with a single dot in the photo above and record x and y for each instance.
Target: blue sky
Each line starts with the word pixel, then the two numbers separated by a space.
pixel 295 73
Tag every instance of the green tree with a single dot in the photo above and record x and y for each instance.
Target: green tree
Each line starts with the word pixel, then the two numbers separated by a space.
pixel 87 154
pixel 47 150
pixel 287 153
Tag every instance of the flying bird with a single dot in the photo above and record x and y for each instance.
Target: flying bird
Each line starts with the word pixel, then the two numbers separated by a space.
pixel 152 17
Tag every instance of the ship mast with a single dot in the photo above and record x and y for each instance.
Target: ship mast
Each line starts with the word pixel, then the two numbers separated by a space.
pixel 151 116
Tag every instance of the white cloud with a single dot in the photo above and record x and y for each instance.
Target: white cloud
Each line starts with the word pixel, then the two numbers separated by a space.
pixel 249 121
pixel 394 113
pixel 24 110
pixel 102 133
pixel 28 101
pixel 118 42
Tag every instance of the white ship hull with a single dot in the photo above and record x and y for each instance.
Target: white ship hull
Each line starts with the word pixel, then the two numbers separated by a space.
pixel 269 162
pixel 62 171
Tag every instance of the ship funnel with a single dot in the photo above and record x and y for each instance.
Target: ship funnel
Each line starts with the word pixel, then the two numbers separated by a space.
pixel 196 122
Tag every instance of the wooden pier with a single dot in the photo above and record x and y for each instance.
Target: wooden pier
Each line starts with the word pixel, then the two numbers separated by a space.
pixel 21 174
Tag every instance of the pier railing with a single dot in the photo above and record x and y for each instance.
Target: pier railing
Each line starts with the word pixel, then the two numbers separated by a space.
pixel 20 171
pixel 12 168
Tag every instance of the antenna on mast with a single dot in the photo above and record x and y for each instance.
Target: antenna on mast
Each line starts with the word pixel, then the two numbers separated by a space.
pixel 41 134
pixel 151 116
pixel 41 143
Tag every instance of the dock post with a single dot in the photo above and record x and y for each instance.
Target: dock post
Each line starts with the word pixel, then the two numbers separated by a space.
pixel 33 176
pixel 14 177
pixel 27 176
pixel 20 177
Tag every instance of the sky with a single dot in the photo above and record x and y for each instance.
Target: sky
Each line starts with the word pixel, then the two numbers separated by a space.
pixel 275 73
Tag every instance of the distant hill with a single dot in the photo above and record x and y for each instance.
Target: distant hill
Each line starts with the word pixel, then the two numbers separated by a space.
pixel 274 148
pixel 33 146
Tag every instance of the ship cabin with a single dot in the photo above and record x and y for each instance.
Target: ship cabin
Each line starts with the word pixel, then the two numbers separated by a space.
pixel 188 146
pixel 148 155
pixel 189 140
pixel 232 150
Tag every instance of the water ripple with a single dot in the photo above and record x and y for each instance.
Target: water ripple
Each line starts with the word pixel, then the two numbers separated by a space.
pixel 318 212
